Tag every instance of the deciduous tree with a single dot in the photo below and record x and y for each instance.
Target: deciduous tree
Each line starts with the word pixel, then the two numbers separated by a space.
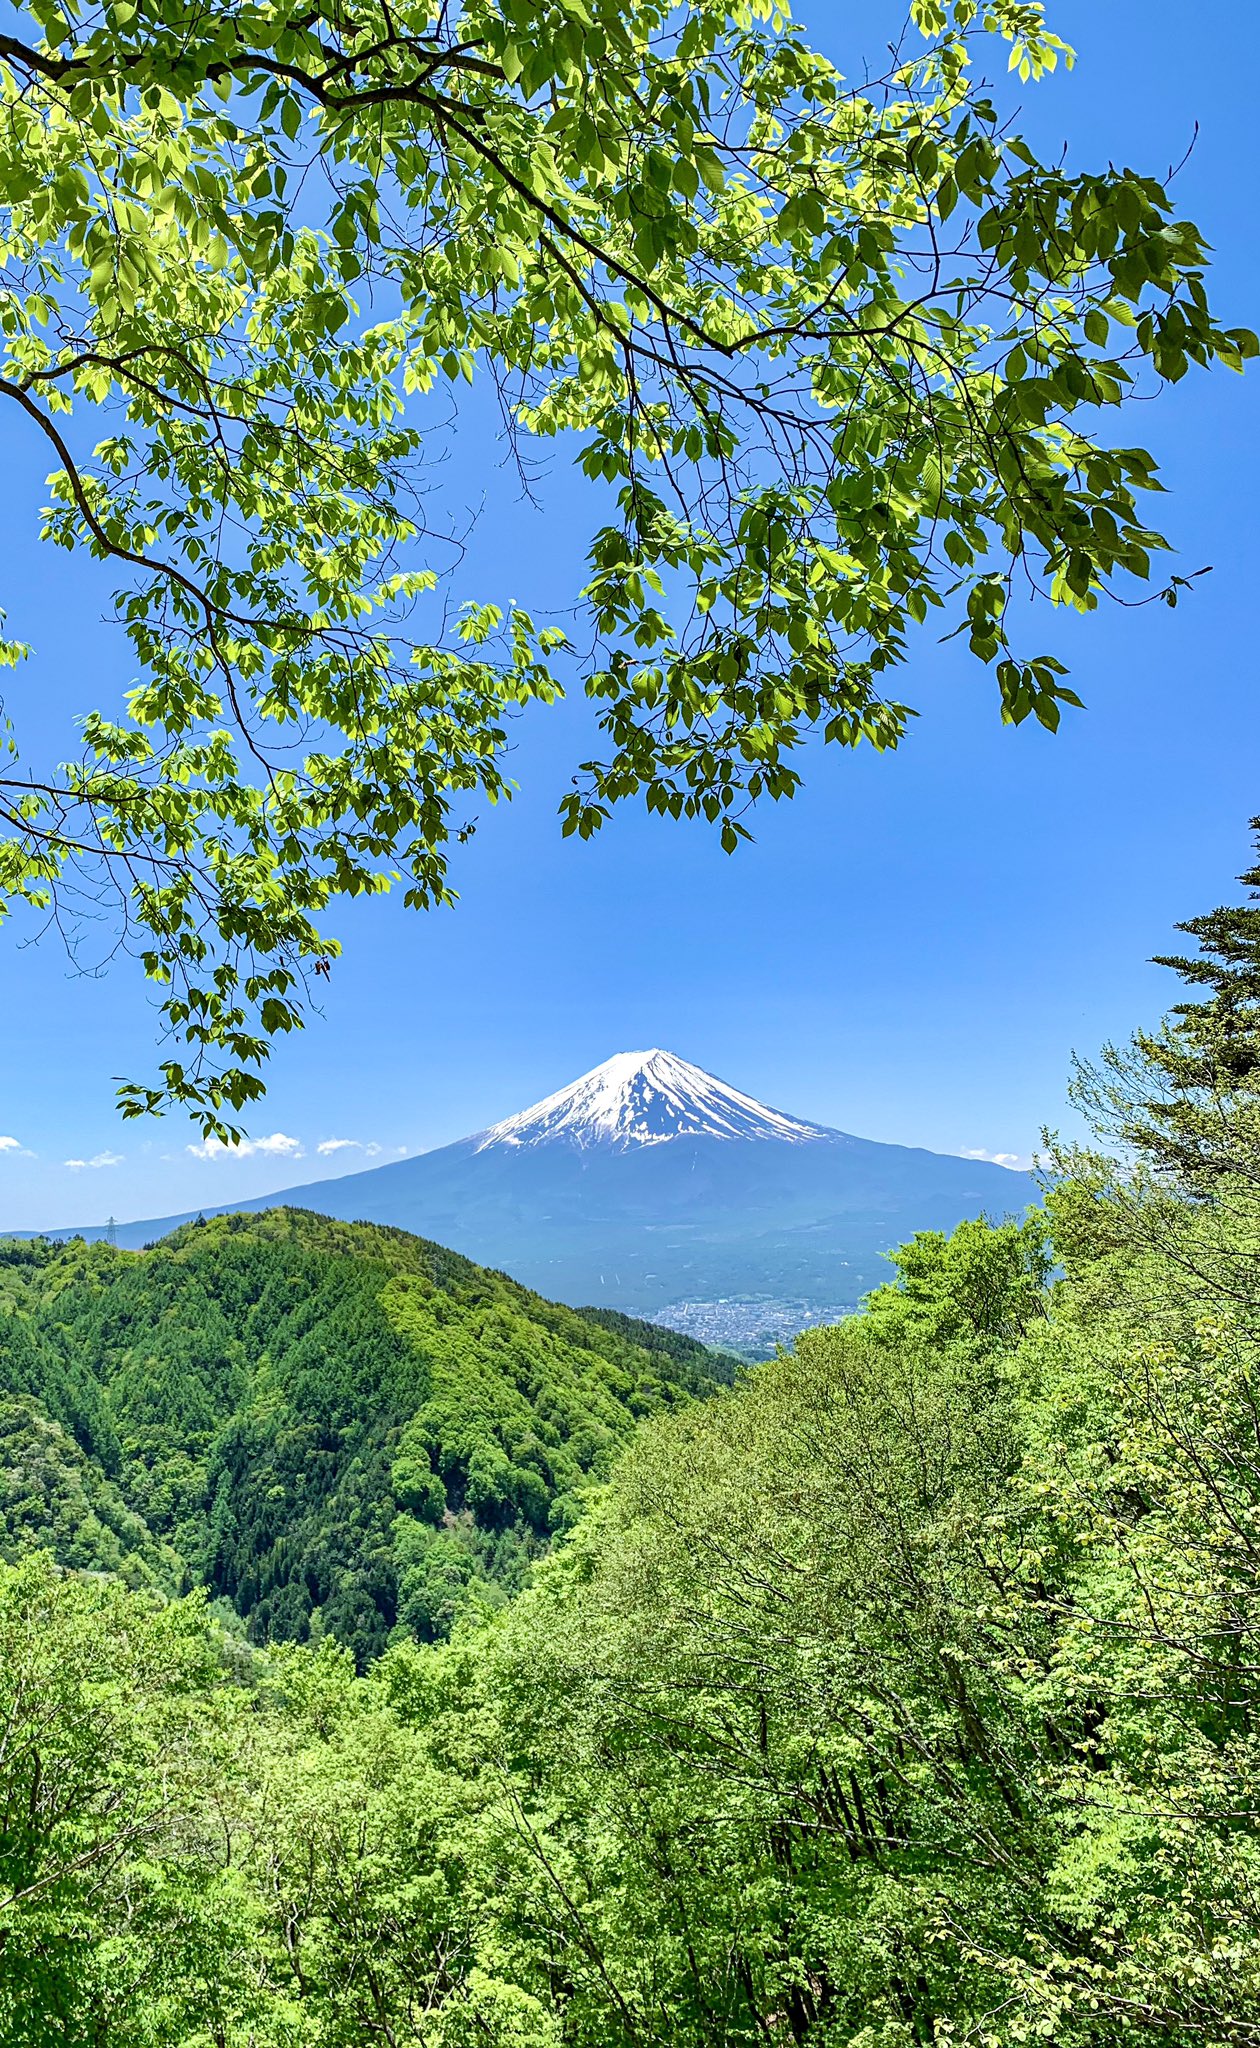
pixel 835 352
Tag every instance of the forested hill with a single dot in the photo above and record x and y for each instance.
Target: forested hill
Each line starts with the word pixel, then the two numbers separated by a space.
pixel 337 1427
pixel 907 1695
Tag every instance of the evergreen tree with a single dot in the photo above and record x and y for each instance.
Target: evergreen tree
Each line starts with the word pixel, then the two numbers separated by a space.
pixel 1227 1022
pixel 1186 1098
pixel 1210 1058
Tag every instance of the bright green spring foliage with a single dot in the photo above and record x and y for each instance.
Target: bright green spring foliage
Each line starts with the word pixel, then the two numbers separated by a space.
pixel 910 1694
pixel 342 1430
pixel 906 1693
pixel 838 354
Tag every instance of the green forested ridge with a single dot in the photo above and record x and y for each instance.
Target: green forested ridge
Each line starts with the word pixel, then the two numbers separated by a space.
pixel 335 1427
pixel 685 1351
pixel 906 1693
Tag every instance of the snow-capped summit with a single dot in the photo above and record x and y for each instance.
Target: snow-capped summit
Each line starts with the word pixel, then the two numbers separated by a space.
pixel 647 1098
pixel 651 1187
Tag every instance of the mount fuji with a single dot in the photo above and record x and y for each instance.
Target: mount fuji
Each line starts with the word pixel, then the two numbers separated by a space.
pixel 647 1098
pixel 652 1187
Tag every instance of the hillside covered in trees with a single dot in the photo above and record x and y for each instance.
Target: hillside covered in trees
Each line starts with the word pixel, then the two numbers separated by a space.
pixel 336 1428
pixel 906 1692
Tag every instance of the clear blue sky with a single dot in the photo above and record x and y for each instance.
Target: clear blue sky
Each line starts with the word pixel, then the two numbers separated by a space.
pixel 910 951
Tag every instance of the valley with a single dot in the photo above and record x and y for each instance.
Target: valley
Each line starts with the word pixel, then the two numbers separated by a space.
pixel 533 528
pixel 750 1327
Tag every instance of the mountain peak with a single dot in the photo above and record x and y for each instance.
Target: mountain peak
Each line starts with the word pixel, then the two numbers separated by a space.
pixel 647 1098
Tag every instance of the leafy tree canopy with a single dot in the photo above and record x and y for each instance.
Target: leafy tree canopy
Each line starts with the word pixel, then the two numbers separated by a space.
pixel 832 350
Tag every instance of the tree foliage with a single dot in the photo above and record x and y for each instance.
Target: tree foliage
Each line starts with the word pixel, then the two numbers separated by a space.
pixel 1186 1099
pixel 835 352
pixel 906 1692
pixel 114 1920
pixel 336 1428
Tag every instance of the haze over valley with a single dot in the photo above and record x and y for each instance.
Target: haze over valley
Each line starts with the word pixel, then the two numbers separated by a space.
pixel 630 1042
pixel 651 1186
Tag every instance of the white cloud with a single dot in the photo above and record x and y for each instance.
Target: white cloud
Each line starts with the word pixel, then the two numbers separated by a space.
pixel 15 1148
pixel 100 1159
pixel 277 1146
pixel 1019 1162
pixel 329 1145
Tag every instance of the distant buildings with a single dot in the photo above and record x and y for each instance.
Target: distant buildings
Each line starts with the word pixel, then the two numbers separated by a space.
pixel 752 1326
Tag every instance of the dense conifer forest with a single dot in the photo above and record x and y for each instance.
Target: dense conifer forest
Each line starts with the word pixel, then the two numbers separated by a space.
pixel 904 1691
pixel 334 1428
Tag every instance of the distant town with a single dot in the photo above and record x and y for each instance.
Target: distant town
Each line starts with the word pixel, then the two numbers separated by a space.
pixel 751 1325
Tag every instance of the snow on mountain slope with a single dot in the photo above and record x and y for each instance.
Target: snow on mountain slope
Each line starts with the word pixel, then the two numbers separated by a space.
pixel 652 1187
pixel 646 1098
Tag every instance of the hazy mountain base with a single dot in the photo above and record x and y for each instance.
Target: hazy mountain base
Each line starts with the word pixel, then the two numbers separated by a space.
pixel 751 1329
pixel 699 1219
pixel 335 1427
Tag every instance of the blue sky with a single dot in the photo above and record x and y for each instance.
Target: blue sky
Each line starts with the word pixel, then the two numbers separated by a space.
pixel 910 951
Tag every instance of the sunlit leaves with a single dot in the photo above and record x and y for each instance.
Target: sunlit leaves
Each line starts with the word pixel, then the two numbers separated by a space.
pixel 832 355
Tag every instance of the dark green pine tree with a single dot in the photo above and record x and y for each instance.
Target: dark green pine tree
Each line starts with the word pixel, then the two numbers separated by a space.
pixel 1206 1119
